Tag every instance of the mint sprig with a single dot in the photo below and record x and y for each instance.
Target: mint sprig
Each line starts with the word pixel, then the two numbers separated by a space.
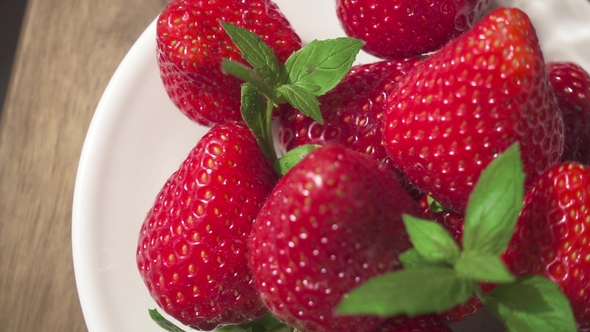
pixel 431 240
pixel 319 66
pixel 292 158
pixel 257 114
pixel 437 275
pixel 246 74
pixel 256 52
pixel 308 73
pixel 408 291
pixel 493 206
pixel 532 304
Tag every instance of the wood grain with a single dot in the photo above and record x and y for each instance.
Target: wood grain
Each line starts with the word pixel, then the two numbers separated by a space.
pixel 67 53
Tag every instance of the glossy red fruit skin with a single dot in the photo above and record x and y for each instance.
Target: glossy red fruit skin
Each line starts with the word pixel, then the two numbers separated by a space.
pixel 332 222
pixel 552 236
pixel 399 29
pixel 192 245
pixel 191 44
pixel 426 323
pixel 571 84
pixel 462 106
pixel 352 112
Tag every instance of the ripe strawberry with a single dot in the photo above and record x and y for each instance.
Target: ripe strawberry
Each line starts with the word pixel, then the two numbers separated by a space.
pixel 399 29
pixel 192 246
pixel 332 222
pixel 552 236
pixel 571 84
pixel 191 44
pixel 452 221
pixel 353 111
pixel 456 110
pixel 427 323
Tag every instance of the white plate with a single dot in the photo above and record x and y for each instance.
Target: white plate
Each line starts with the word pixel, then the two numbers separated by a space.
pixel 137 139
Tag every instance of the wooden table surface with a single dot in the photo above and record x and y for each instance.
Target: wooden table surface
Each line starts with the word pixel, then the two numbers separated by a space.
pixel 67 52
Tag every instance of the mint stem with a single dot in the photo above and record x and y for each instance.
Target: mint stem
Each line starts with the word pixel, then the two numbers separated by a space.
pixel 267 131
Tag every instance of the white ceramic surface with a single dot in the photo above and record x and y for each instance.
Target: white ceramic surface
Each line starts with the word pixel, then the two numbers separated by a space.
pixel 137 139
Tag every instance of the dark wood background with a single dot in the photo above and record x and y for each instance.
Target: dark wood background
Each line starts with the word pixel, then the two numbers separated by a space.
pixel 66 54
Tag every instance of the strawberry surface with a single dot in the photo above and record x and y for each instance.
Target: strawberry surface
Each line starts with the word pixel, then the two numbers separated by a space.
pixel 571 84
pixel 552 236
pixel 399 29
pixel 332 222
pixel 192 245
pixel 191 44
pixel 462 106
pixel 352 112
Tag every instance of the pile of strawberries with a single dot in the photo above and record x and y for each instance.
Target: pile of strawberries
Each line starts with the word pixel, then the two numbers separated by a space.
pixel 329 233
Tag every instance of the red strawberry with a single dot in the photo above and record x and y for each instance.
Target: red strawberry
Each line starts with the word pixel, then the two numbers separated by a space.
pixel 353 111
pixel 332 222
pixel 571 84
pixel 552 236
pixel 193 243
pixel 459 108
pixel 399 28
pixel 452 221
pixel 427 323
pixel 191 44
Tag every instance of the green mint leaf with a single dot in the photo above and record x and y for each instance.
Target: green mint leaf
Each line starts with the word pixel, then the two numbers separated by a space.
pixel 320 65
pixel 482 267
pixel 163 322
pixel 302 100
pixel 292 157
pixel 316 90
pixel 255 114
pixel 494 204
pixel 434 205
pixel 414 291
pixel 256 52
pixel 248 75
pixel 411 259
pixel 531 304
pixel 431 240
